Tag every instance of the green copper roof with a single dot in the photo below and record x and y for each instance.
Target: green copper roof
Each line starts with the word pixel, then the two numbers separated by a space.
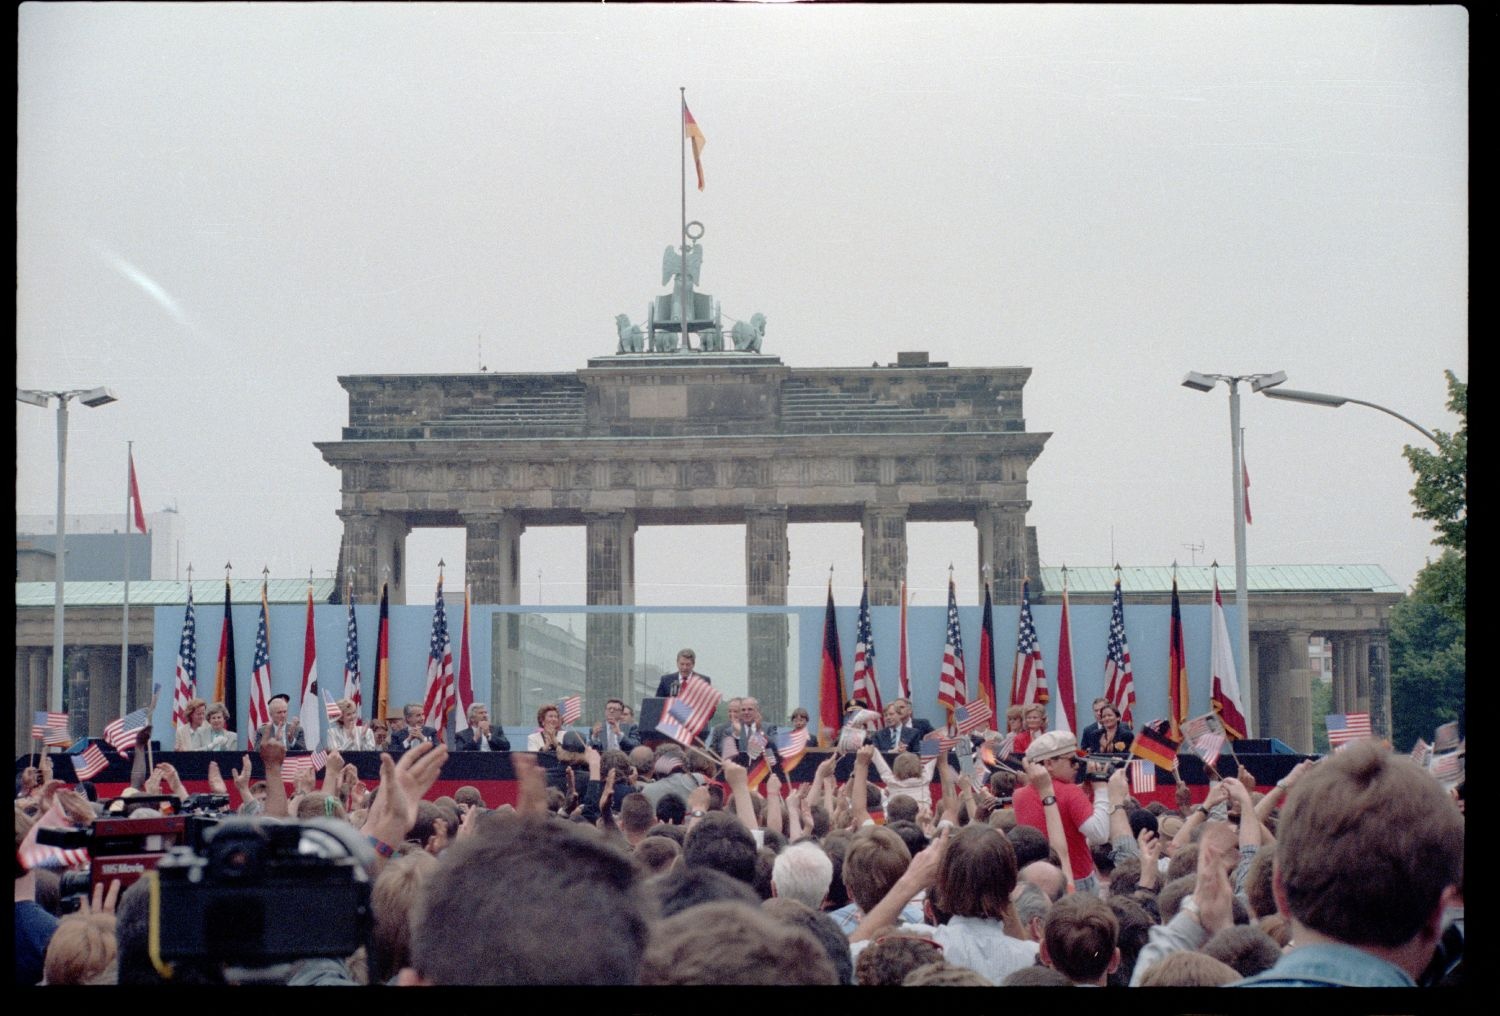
pixel 1266 578
pixel 159 592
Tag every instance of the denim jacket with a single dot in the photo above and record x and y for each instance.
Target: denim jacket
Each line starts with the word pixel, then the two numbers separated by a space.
pixel 1329 966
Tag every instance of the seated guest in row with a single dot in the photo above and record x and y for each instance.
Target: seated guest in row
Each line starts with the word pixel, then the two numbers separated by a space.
pixel 1111 737
pixel 413 732
pixel 615 733
pixel 347 733
pixel 213 735
pixel 480 734
pixel 281 728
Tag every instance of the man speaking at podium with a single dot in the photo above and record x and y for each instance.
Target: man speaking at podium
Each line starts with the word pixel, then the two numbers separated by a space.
pixel 671 684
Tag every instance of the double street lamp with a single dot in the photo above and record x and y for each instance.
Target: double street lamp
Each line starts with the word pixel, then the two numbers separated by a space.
pixel 1335 401
pixel 1260 383
pixel 93 398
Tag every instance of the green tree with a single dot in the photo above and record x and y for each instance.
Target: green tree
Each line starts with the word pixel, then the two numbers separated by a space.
pixel 1428 627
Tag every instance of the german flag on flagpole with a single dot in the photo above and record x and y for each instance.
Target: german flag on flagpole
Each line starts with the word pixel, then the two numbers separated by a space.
pixel 226 685
pixel 1177 675
pixel 695 137
pixel 831 679
pixel 382 705
pixel 987 656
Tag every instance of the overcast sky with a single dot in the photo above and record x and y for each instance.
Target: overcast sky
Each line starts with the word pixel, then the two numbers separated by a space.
pixel 221 208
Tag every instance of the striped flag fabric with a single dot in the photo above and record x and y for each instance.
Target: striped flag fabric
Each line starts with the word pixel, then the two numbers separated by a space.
pixel 905 661
pixel 440 692
pixel 865 690
pixel 675 722
pixel 1067 713
pixel 1225 696
pixel 570 709
pixel 1446 738
pixel 90 764
pixel 830 676
pixel 121 733
pixel 851 739
pixel 296 765
pixel 1177 675
pixel 1142 777
pixel 226 684
pixel 1421 753
pixel 51 729
pixel 260 676
pixel 695 138
pixel 1449 767
pixel 789 746
pixel 757 746
pixel 352 690
pixel 309 713
pixel 987 652
pixel 42 855
pixel 1028 679
pixel 1209 746
pixel 465 670
pixel 1346 727
pixel 930 746
pixel 185 685
pixel 973 717
pixel 1119 682
pixel 702 699
pixel 953 690
pixel 331 708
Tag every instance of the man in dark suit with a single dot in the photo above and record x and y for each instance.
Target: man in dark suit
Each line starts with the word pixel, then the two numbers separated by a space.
pixel 288 732
pixel 893 736
pixel 480 735
pixel 1092 730
pixel 614 734
pixel 731 728
pixel 415 733
pixel 744 723
pixel 671 684
pixel 912 729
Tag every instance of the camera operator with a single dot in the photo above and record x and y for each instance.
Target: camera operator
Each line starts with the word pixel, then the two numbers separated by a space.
pixel 1051 784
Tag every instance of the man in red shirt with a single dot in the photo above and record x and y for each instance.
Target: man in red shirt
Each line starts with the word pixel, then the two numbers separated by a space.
pixel 1083 822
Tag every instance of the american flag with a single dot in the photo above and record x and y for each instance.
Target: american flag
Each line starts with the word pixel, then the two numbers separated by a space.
pixel 571 709
pixel 674 722
pixel 1346 727
pixel 701 699
pixel 1208 746
pixel 51 729
pixel 121 733
pixel 1421 753
pixel 1006 746
pixel 758 742
pixel 352 690
pixel 296 765
pixel 929 746
pixel 440 683
pixel 187 665
pixel 1142 777
pixel 1119 683
pixel 1201 726
pixel 332 708
pixel 952 684
pixel 790 746
pixel 1446 737
pixel 865 689
pixel 260 678
pixel 973 717
pixel 1448 767
pixel 1028 680
pixel 90 763
pixel 42 855
pixel 851 739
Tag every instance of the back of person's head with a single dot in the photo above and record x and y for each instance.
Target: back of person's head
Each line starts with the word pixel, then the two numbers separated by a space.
pixel 1003 783
pixel 1031 904
pixel 1141 818
pixel 733 943
pixel 820 926
pixel 1244 947
pixel 1126 878
pixel 636 815
pixel 821 822
pixel 907 766
pixel 657 854
pixel 911 834
pixel 1277 928
pixel 1047 877
pixel 1079 937
pixel 469 796
pixel 671 809
pixel 1036 977
pixel 82 950
pixel 836 845
pixel 1259 888
pixel 901 808
pixel 133 945
pixel 1135 929
pixel 1170 898
pixel 491 901
pixel 1003 819
pixel 765 861
pixel 876 858
pixel 1029 843
pixel 394 902
pixel 676 833
pixel 803 872
pixel 943 974
pixel 976 874
pixel 682 888
pixel 720 841
pixel 318 805
pixel 1183 863
pixel 888 959
pixel 1188 970
pixel 1367 845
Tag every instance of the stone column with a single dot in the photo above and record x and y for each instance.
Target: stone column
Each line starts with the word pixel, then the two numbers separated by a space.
pixel 103 675
pixel 1298 693
pixel 391 530
pixel 76 691
pixel 25 706
pixel 39 667
pixel 884 546
pixel 767 571
pixel 610 581
pixel 1002 545
pixel 358 554
pixel 492 555
pixel 1360 701
pixel 1377 656
pixel 1340 650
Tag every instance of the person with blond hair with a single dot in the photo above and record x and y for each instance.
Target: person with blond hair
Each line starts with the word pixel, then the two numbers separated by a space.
pixel 348 733
pixel 82 950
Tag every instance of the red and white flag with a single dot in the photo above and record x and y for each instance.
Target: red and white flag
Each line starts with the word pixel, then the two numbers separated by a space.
pixel 571 709
pixel 135 496
pixel 1067 718
pixel 696 139
pixel 309 712
pixel 905 667
pixel 1142 776
pixel 465 671
pixel 1225 696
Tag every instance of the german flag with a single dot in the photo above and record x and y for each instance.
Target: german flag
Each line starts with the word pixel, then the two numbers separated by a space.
pixel 226 686
pixel 383 657
pixel 831 679
pixel 1177 676
pixel 1154 743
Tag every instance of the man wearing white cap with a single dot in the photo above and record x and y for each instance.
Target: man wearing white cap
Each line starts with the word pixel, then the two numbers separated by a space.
pixel 1083 823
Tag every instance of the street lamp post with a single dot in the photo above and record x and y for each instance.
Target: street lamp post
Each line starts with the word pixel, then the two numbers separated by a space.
pixel 1335 401
pixel 1258 382
pixel 93 398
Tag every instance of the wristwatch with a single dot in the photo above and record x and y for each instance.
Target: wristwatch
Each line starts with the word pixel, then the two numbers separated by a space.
pixel 1049 799
pixel 697 813
pixel 1111 809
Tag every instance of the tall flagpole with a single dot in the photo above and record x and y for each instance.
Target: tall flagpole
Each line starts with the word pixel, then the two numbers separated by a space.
pixel 682 167
pixel 125 625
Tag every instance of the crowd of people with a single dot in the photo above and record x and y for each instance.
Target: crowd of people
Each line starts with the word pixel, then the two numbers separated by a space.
pixel 673 865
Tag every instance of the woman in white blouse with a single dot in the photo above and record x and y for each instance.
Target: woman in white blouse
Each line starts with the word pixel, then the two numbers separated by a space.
pixel 348 733
pixel 547 736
